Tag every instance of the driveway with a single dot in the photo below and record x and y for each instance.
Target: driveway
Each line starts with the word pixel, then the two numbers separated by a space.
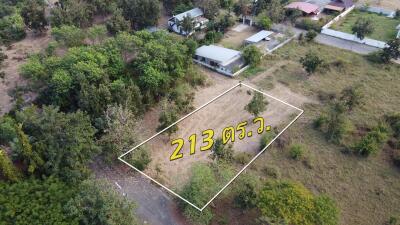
pixel 345 44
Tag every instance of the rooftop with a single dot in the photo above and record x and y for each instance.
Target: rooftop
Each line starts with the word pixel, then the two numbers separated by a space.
pixel 259 36
pixel 303 6
pixel 193 13
pixel 219 54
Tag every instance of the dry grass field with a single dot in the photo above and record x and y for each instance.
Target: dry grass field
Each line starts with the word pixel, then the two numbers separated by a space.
pixel 387 4
pixel 367 190
pixel 227 110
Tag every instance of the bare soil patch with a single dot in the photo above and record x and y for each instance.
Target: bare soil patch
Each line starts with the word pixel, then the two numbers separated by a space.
pixel 226 111
pixel 234 39
pixel 17 56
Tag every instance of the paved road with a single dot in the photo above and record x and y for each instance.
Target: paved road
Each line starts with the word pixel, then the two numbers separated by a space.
pixel 155 206
pixel 344 44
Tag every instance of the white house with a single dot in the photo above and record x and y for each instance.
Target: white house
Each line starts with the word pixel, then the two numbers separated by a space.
pixel 223 60
pixel 196 14
pixel 262 35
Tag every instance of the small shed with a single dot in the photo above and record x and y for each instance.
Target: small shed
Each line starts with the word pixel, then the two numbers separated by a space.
pixel 262 35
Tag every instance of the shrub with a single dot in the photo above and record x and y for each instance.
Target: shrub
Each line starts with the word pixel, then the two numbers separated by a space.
pixel 310 35
pixel 272 171
pixel 252 55
pixel 12 28
pixel 7 129
pixel 264 22
pixel 246 189
pixel 291 203
pixel 7 169
pixel 372 141
pixel 69 36
pixel 140 159
pixel 297 151
pixel 266 138
pixel 221 151
pixel 308 24
pixel 243 158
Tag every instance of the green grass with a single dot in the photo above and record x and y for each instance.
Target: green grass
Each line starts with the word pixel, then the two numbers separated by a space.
pixel 384 27
pixel 365 189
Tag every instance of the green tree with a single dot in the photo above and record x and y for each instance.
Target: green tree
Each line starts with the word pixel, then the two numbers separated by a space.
pixel 23 148
pixel 334 124
pixel 291 203
pixel 257 105
pixel 372 141
pixel 33 13
pixel 120 133
pixel 221 152
pixel 246 189
pixel 168 116
pixel 252 55
pixel 391 51
pixel 95 202
pixel 61 144
pixel 7 129
pixel 311 62
pixel 242 8
pixel 362 27
pixel 97 33
pixel 209 7
pixel 187 25
pixel 264 22
pixel 51 201
pixel 70 36
pixel 201 186
pixel 7 169
pixel 141 13
pixel 12 28
pixel 72 13
pixel 117 23
pixel 351 97
pixel 310 35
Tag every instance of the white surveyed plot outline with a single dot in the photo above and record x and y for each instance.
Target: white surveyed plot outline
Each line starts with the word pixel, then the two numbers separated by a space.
pixel 186 116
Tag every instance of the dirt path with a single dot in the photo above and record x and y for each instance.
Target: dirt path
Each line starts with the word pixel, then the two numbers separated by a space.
pixel 16 57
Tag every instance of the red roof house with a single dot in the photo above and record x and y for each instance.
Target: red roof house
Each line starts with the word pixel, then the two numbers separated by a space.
pixel 305 7
pixel 339 5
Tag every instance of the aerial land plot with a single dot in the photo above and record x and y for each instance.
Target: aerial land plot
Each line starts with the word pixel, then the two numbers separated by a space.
pixel 384 27
pixel 176 157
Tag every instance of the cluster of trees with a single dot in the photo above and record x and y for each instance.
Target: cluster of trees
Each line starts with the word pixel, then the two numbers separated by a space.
pixel 12 27
pixel 51 201
pixel 137 13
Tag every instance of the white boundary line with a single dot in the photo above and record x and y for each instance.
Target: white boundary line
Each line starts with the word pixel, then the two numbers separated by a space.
pixel 254 158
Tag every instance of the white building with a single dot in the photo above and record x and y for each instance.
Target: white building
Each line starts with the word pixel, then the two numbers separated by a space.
pixel 262 35
pixel 223 60
pixel 196 14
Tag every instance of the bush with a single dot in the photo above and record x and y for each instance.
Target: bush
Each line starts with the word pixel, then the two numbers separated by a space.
pixel 291 203
pixel 246 190
pixel 117 23
pixel 243 158
pixel 308 24
pixel 264 22
pixel 266 138
pixel 7 129
pixel 252 55
pixel 69 36
pixel 212 37
pixel 372 141
pixel 297 151
pixel 12 28
pixel 310 35
pixel 272 171
pixel 140 159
